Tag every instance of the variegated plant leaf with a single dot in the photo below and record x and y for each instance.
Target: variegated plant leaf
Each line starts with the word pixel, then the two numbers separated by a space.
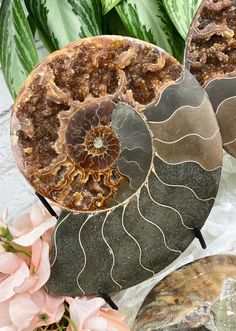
pixel 18 54
pixel 61 22
pixel 32 25
pixel 181 13
pixel 112 24
pixel 149 21
pixel 107 5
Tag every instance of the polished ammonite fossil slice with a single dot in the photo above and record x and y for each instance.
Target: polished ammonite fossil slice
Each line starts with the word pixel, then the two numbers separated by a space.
pixel 65 124
pixel 125 140
pixel 199 296
pixel 211 56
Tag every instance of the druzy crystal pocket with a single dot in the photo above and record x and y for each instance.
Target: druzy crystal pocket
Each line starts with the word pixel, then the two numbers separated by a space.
pixel 125 140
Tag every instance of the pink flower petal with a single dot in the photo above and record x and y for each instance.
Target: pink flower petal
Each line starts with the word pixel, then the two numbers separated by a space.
pixel 27 285
pixel 69 300
pixel 81 309
pixel 3 218
pixel 36 253
pixel 15 280
pixel 20 226
pixel 39 298
pixel 111 313
pixel 46 214
pixel 47 236
pixel 54 308
pixel 22 310
pixel 2 250
pixel 9 263
pixel 49 305
pixel 52 303
pixel 8 328
pixel 31 237
pixel 5 319
pixel 96 324
pixel 114 319
pixel 43 269
pixel 36 215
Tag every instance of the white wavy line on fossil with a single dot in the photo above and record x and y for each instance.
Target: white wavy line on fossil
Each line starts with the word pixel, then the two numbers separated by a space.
pixel 182 186
pixel 54 239
pixel 221 103
pixel 187 161
pixel 131 161
pixel 168 207
pixel 188 60
pixel 84 253
pixel 179 109
pixel 136 241
pixel 157 226
pixel 111 250
pixel 133 149
pixel 230 142
pixel 177 82
pixel 218 78
pixel 186 136
pixel 204 32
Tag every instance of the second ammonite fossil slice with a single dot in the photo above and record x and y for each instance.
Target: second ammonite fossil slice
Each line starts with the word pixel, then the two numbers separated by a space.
pixel 211 57
pixel 125 140
pixel 200 296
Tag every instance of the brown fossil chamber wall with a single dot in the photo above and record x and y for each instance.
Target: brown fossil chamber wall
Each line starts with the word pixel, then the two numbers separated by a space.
pixel 211 56
pixel 200 296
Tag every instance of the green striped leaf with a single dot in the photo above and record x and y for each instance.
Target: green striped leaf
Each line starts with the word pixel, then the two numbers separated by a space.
pixel 107 5
pixel 150 22
pixel 32 25
pixel 18 54
pixel 181 12
pixel 63 21
pixel 112 24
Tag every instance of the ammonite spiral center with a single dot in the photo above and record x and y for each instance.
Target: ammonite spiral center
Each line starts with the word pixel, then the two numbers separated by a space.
pixel 104 146
pixel 90 141
pixel 99 143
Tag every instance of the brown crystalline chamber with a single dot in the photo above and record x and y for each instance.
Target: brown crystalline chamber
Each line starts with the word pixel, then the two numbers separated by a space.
pixel 61 124
pixel 211 48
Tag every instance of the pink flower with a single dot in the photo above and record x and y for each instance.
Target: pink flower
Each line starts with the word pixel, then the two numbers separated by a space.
pixel 25 312
pixel 13 270
pixel 20 273
pixel 39 268
pixel 13 273
pixel 88 315
pixel 30 227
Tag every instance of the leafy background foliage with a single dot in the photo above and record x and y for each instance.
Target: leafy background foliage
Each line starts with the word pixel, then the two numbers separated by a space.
pixel 58 22
pixel 18 53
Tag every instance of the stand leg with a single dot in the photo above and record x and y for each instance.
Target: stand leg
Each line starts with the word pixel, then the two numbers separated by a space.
pixel 46 205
